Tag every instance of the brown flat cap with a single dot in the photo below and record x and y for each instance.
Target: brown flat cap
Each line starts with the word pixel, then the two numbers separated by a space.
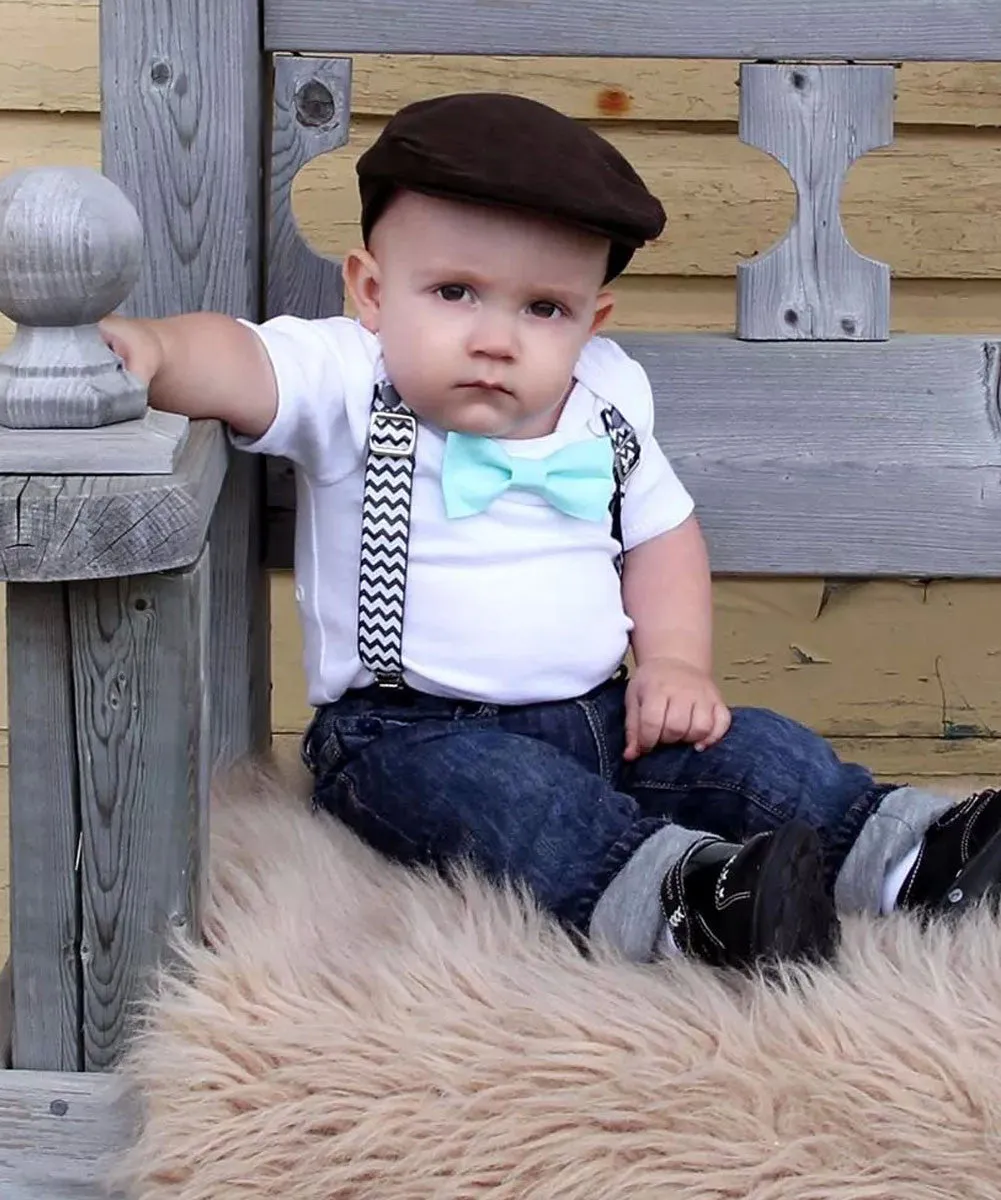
pixel 504 150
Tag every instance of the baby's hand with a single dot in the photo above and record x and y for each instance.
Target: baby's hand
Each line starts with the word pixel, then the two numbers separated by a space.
pixel 669 700
pixel 135 343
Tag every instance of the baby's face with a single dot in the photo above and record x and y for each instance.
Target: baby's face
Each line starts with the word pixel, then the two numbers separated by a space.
pixel 481 313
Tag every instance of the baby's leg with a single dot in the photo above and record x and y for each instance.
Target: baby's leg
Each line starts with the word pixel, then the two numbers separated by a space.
pixel 439 792
pixel 883 844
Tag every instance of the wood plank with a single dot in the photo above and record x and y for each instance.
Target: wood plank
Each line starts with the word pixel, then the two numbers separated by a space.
pixel 879 459
pixel 926 205
pixel 49 61
pixel 310 118
pixel 59 1133
pixel 95 526
pixel 44 830
pixel 6 1014
pixel 756 29
pixel 240 679
pixel 140 665
pixel 643 89
pixel 874 661
pixel 817 121
pixel 182 94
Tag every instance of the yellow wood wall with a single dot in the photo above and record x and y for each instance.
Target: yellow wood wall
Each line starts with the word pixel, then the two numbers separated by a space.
pixel 905 676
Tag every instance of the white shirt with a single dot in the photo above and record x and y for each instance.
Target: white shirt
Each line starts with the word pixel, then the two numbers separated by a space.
pixel 519 603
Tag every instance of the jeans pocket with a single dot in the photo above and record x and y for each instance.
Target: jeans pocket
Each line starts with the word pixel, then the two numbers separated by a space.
pixel 595 719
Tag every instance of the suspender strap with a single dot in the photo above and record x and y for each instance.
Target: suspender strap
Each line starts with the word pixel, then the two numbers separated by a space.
pixel 626 452
pixel 385 525
pixel 385 536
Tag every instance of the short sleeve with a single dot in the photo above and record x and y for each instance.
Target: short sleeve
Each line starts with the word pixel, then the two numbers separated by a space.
pixel 654 500
pixel 316 365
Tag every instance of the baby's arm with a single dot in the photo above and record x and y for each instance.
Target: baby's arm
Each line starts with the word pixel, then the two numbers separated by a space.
pixel 201 365
pixel 667 591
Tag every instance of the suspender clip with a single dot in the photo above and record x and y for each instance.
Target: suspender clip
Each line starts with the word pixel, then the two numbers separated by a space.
pixel 392 434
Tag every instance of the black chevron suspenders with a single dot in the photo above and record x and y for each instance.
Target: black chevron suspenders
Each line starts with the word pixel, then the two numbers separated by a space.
pixel 385 535
pixel 385 524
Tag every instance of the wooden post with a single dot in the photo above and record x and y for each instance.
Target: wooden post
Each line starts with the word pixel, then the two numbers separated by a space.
pixel 182 85
pixel 817 121
pixel 108 616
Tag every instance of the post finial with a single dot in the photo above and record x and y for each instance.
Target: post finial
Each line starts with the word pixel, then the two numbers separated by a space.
pixel 71 248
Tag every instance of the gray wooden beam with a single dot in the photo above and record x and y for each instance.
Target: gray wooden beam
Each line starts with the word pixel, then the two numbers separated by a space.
pixel 59 1133
pixel 6 1014
pixel 820 458
pixel 817 121
pixel 44 830
pixel 140 665
pixel 182 91
pixel 96 526
pixel 854 30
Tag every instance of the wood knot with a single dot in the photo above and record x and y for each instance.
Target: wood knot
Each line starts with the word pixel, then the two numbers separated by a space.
pixel 314 104
pixel 614 102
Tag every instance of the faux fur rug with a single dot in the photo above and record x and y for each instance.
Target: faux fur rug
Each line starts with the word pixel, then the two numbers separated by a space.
pixel 357 1031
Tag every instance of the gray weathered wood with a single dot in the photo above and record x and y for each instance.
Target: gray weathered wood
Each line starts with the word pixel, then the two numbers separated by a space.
pixel 140 666
pixel 44 830
pixel 817 121
pixel 70 249
pixel 817 458
pixel 239 652
pixel 183 87
pixel 60 1134
pixel 149 445
pixel 858 30
pixel 310 117
pixel 312 105
pixel 6 1014
pixel 96 526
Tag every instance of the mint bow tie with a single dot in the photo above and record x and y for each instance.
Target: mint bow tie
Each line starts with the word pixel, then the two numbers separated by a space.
pixel 577 480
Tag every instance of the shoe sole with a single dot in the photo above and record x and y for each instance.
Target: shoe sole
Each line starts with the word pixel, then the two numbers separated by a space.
pixel 980 877
pixel 794 915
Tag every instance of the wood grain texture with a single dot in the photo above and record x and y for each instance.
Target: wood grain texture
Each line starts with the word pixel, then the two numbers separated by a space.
pixel 49 60
pixel 70 250
pixel 926 204
pixel 59 1132
pixel 240 668
pixel 852 29
pixel 183 86
pixel 44 830
pixel 149 445
pixel 97 526
pixel 6 1014
pixel 140 671
pixel 311 115
pixel 809 458
pixel 817 121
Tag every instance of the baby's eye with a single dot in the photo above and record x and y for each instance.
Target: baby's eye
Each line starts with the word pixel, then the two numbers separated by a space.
pixel 546 309
pixel 453 292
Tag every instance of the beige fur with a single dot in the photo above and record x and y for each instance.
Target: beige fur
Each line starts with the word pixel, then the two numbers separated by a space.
pixel 357 1031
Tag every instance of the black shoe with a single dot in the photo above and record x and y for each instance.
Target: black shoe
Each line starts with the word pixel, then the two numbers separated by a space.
pixel 739 906
pixel 959 862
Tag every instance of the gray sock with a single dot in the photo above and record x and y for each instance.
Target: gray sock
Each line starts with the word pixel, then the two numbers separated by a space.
pixel 894 829
pixel 628 915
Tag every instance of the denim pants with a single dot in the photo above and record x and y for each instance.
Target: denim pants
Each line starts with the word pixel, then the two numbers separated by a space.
pixel 540 794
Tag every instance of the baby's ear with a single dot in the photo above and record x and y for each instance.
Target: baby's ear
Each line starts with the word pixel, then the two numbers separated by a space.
pixel 603 310
pixel 363 282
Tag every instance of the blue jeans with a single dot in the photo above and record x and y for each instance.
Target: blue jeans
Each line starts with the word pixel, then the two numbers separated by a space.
pixel 540 793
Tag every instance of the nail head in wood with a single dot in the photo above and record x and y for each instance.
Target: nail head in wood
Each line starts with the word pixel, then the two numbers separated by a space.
pixel 71 249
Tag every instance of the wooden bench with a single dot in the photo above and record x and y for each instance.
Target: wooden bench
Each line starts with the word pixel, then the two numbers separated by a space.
pixel 135 551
